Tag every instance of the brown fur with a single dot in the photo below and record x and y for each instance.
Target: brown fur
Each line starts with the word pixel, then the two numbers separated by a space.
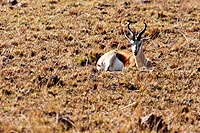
pixel 126 57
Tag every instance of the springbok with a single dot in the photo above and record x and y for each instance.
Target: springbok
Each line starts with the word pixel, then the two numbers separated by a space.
pixel 116 60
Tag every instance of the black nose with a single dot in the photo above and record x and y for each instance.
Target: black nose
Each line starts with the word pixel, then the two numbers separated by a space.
pixel 135 53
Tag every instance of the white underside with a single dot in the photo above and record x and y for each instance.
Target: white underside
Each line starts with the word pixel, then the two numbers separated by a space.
pixel 117 65
pixel 109 62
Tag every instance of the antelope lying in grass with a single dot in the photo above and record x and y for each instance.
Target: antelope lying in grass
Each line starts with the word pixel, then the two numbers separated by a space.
pixel 115 60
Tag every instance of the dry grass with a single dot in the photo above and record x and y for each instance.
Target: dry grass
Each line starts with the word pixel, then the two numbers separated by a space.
pixel 48 81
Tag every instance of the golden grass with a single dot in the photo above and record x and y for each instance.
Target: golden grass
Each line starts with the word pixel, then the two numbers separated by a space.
pixel 48 52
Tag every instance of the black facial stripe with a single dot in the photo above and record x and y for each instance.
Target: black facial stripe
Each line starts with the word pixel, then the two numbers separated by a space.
pixel 136 49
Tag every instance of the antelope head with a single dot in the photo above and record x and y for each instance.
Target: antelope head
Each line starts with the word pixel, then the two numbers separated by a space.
pixel 136 45
pixel 136 42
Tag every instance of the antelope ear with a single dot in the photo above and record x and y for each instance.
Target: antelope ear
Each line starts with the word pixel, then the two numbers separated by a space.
pixel 145 39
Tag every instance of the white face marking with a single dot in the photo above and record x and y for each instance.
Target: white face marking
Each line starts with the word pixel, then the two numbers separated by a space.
pixel 136 46
pixel 132 42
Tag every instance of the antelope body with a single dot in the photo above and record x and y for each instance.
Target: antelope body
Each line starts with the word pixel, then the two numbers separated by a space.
pixel 115 60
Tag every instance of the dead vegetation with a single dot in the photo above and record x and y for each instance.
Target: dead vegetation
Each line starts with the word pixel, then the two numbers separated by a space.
pixel 48 80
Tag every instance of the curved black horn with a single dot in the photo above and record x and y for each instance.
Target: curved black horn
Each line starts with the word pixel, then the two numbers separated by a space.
pixel 140 34
pixel 129 29
pixel 127 37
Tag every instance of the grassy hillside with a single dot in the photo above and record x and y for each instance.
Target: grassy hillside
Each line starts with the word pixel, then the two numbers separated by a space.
pixel 48 78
